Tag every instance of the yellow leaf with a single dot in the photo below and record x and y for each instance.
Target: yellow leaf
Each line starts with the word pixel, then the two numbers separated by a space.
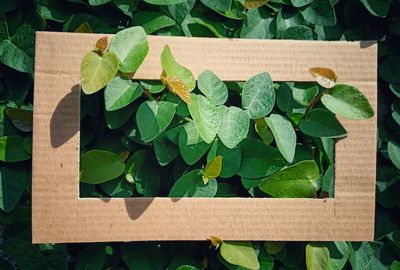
pixel 325 77
pixel 124 155
pixel 215 241
pixel 213 169
pixel 176 86
pixel 254 3
pixel 84 28
pixel 102 44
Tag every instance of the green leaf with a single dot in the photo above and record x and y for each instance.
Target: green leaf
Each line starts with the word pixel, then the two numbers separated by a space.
pixel 21 119
pixel 321 123
pixel 393 149
pixel 259 159
pixel 14 57
pixel 320 12
pixel 191 185
pixel 220 5
pixel 116 119
pixel 8 5
pixel 379 8
pixel 339 253
pixel 347 101
pixel 152 87
pixel 240 253
pixel 153 118
pixel 126 6
pixel 98 2
pixel 317 257
pixel 360 255
pixel 3 27
pixel 92 257
pixel 165 150
pixel 212 87
pixel 300 3
pixel 258 24
pixel 181 10
pixel 304 93
pixel 152 21
pixel 143 256
pixel 12 149
pixel 297 181
pixel 131 47
pixel 191 146
pixel 12 185
pixel 164 2
pixel 118 188
pixel 98 166
pixel 263 131
pixel 120 92
pixel 231 158
pixel 299 32
pixel 258 95
pixel 284 134
pixel 287 18
pixel 175 70
pixel 97 71
pixel 142 170
pixel 206 116
pixel 234 126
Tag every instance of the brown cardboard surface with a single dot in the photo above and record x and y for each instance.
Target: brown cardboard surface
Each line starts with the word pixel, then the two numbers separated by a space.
pixel 59 215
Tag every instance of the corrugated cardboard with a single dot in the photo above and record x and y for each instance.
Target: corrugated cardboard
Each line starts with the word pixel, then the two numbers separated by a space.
pixel 59 215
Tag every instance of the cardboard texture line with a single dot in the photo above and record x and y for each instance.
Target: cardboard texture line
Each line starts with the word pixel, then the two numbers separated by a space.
pixel 59 215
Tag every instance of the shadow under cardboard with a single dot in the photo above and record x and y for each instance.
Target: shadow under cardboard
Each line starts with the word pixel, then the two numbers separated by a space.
pixel 64 123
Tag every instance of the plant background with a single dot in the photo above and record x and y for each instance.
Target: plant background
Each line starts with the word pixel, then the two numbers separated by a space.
pixel 289 19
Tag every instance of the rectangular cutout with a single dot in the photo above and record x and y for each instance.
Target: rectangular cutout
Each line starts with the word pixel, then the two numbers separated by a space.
pixel 59 215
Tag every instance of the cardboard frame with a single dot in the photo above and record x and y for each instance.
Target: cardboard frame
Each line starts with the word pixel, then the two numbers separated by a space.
pixel 59 215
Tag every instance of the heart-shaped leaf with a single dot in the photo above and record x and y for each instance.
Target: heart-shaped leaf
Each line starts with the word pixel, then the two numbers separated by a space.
pixel 191 185
pixel 239 253
pixel 297 181
pixel 321 123
pixel 284 134
pixel 177 78
pixel 259 159
pixel 347 101
pixel 120 92
pixel 131 47
pixel 320 12
pixel 234 126
pixel 258 95
pixel 212 87
pixel 191 146
pixel 206 116
pixel 317 257
pixel 99 166
pixel 97 70
pixel 153 118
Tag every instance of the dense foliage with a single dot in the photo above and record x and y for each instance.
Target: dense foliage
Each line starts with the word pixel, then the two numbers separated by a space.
pixel 259 138
pixel 287 19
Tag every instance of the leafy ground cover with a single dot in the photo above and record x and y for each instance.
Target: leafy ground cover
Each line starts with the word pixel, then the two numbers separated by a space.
pixel 261 138
pixel 286 19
